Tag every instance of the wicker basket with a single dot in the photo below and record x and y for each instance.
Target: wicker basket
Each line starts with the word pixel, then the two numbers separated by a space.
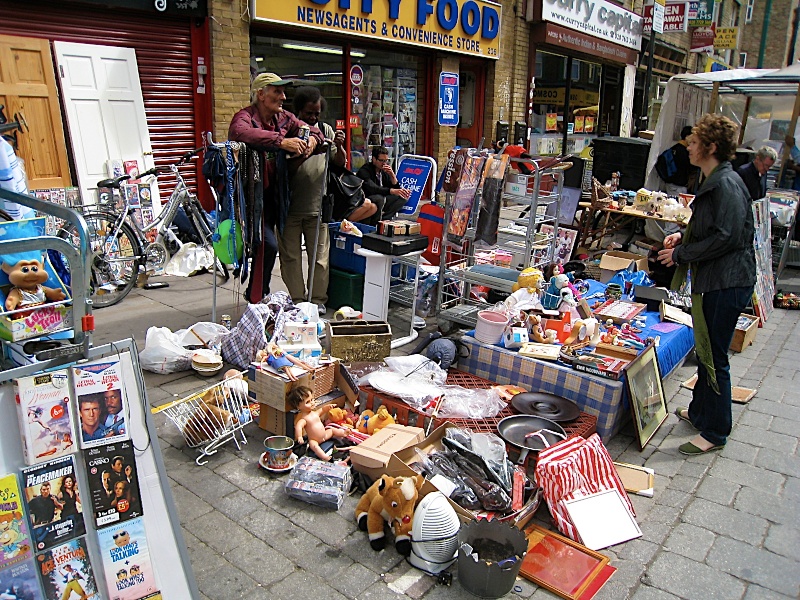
pixel 601 195
pixel 322 379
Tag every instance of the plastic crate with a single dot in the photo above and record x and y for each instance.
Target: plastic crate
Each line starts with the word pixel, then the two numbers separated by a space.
pixel 345 289
pixel 343 248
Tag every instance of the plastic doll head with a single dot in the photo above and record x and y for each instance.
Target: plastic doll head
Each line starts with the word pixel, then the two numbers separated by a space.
pixel 298 396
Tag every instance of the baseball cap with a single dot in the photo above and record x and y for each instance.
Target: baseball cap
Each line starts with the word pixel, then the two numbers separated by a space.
pixel 264 79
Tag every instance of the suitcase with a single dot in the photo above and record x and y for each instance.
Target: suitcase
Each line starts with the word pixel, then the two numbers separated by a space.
pixel 394 246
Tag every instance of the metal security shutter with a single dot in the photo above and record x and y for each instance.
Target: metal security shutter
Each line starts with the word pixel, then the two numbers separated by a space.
pixel 163 53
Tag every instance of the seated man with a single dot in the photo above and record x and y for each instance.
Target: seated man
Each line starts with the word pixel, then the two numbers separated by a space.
pixel 381 186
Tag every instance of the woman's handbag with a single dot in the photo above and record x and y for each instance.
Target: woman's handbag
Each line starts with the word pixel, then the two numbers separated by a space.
pixel 344 187
pixel 574 468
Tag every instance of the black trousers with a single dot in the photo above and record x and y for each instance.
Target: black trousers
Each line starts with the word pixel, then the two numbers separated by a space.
pixel 388 207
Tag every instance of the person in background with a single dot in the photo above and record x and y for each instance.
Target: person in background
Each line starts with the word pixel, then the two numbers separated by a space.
pixel 266 126
pixel 794 166
pixel 381 185
pixel 685 174
pixel 718 247
pixel 307 185
pixel 754 174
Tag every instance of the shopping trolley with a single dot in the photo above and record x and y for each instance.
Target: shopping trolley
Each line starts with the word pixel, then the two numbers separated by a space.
pixel 211 417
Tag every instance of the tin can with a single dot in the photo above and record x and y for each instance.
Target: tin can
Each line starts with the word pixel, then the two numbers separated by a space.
pixel 226 321
pixel 304 133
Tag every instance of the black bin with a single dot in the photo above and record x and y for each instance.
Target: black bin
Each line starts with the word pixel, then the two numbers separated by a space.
pixel 626 155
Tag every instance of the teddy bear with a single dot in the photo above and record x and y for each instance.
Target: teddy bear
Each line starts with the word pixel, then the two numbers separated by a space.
pixel 363 420
pixel 341 416
pixel 379 420
pixel 389 500
pixel 530 278
pixel 537 331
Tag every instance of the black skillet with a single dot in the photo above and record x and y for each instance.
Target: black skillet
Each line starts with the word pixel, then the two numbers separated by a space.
pixel 529 433
pixel 548 406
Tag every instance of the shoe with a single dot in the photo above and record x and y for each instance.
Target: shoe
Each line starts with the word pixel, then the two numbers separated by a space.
pixel 321 309
pixel 679 414
pixel 689 449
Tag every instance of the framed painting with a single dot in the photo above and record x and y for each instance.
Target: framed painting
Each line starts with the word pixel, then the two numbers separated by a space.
pixel 646 394
pixel 559 564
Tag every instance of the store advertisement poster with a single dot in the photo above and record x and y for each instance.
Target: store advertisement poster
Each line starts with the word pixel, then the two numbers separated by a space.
pixel 551 122
pixel 113 483
pixel 102 402
pixel 448 99
pixel 461 207
pixel 19 582
pixel 412 174
pixel 15 539
pixel 66 572
pixel 126 562
pixel 53 502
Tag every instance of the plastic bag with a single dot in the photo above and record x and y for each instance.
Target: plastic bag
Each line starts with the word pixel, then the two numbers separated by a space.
pixel 188 260
pixel 163 352
pixel 204 332
pixel 461 403
pixel 628 280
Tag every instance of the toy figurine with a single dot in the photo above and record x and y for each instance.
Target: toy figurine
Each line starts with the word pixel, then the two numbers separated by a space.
pixel 26 273
pixel 280 361
pixel 308 420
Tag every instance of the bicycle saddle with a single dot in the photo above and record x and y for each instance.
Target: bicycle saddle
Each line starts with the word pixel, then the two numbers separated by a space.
pixel 113 182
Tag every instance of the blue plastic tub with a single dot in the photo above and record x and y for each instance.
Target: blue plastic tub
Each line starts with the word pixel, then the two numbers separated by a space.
pixel 343 249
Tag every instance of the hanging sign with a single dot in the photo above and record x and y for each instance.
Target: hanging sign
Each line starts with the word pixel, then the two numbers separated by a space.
pixel 356 75
pixel 658 17
pixel 675 17
pixel 726 38
pixel 448 99
pixel 701 13
pixel 703 39
pixel 597 18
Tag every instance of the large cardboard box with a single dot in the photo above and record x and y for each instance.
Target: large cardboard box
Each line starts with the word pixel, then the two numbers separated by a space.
pixel 270 388
pixel 371 456
pixel 615 260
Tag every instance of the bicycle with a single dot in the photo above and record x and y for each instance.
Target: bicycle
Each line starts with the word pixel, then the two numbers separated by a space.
pixel 120 246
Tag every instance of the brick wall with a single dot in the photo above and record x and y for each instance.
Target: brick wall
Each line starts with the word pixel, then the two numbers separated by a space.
pixel 230 61
pixel 778 35
pixel 444 138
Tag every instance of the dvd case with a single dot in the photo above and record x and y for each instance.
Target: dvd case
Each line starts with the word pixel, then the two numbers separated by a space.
pixel 113 483
pixel 66 571
pixel 102 404
pixel 45 416
pixel 15 540
pixel 53 502
pixel 19 582
pixel 126 562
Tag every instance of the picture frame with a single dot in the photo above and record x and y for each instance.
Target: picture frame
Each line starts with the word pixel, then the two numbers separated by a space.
pixel 560 564
pixel 646 394
pixel 565 239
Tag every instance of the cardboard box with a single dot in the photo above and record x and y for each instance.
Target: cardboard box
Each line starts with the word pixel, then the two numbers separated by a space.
pixel 281 422
pixel 270 389
pixel 615 260
pixel 371 456
pixel 742 338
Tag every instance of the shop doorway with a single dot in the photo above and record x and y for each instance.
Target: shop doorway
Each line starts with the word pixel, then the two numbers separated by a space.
pixel 471 99
pixel 611 104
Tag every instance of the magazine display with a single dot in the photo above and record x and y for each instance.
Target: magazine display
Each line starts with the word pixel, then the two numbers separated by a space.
pixel 113 483
pixel 53 502
pixel 19 582
pixel 15 541
pixel 66 572
pixel 126 562
pixel 102 404
pixel 45 416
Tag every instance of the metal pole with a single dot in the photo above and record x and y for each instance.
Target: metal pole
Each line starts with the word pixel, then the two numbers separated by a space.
pixel 567 92
pixel 764 31
pixel 644 117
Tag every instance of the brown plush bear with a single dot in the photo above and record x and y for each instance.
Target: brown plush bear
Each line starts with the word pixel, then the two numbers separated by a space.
pixel 391 500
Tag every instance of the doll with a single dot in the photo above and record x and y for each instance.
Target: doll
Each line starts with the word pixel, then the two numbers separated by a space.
pixel 26 273
pixel 308 420
pixel 280 361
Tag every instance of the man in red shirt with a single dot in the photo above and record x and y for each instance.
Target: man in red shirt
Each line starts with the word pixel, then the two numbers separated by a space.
pixel 266 126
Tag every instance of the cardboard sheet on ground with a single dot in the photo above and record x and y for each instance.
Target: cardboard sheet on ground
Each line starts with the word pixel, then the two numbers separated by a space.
pixel 741 395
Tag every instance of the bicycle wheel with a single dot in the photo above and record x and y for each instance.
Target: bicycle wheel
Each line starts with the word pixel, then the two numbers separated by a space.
pixel 204 232
pixel 115 257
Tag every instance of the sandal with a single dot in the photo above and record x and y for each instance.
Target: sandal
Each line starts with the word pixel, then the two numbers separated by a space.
pixel 690 449
pixel 680 415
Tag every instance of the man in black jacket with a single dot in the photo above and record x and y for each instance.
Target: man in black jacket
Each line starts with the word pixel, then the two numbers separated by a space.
pixel 754 174
pixel 381 185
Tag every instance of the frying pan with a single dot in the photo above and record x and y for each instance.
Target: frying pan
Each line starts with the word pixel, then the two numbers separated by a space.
pixel 549 406
pixel 526 433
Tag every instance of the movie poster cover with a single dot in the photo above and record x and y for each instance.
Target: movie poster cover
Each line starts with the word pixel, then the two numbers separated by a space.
pixel 126 562
pixel 53 502
pixel 15 539
pixel 66 572
pixel 113 483
pixel 19 582
pixel 102 404
pixel 45 416
pixel 464 199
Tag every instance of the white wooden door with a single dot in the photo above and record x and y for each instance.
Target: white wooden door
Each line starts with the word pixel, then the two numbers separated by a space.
pixel 105 111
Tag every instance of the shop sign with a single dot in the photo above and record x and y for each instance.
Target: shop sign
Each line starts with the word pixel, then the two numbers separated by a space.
pixel 726 38
pixel 463 26
pixel 555 95
pixel 558 36
pixel 701 13
pixel 413 175
pixel 596 18
pixel 713 65
pixel 675 17
pixel 184 8
pixel 703 39
pixel 448 99
pixel 356 75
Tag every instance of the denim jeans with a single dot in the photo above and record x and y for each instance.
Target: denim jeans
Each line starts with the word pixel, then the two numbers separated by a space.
pixel 710 412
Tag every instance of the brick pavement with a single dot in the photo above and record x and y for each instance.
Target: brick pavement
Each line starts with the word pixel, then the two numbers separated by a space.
pixel 722 526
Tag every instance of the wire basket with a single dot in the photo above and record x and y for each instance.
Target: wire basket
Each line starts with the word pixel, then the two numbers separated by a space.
pixel 211 417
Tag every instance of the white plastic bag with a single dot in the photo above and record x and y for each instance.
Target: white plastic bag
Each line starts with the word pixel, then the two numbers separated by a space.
pixel 205 332
pixel 188 260
pixel 163 352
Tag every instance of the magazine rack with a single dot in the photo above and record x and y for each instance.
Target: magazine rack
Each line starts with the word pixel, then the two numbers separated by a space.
pixel 167 547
